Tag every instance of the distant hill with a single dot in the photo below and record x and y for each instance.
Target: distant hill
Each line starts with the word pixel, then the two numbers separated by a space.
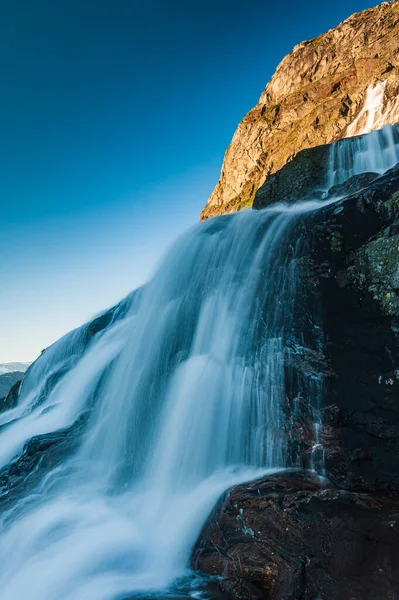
pixel 12 367
pixel 7 380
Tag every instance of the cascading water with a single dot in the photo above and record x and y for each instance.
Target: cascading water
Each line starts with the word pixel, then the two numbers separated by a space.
pixel 374 153
pixel 128 429
pixel 181 394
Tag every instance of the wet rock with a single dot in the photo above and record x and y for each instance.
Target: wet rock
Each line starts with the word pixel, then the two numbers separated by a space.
pixel 359 306
pixel 292 536
pixel 353 184
pixel 40 454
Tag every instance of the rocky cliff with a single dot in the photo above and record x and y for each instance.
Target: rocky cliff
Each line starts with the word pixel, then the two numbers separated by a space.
pixel 342 83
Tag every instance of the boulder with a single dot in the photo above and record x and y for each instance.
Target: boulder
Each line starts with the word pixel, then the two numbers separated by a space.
pixel 289 536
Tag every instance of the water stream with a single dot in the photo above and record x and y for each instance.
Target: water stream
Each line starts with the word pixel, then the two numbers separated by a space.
pixel 192 403
pixel 181 393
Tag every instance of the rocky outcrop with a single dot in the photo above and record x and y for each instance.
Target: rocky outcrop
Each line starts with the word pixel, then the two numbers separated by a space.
pixel 7 383
pixel 355 255
pixel 300 179
pixel 344 82
pixel 288 537
pixel 296 536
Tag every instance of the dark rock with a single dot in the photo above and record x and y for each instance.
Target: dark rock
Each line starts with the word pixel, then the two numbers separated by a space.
pixel 290 537
pixel 40 454
pixel 10 401
pixel 7 383
pixel 300 179
pixel 353 184
pixel 360 317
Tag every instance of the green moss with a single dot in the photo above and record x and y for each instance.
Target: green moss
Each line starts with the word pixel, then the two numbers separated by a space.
pixel 393 202
pixel 336 241
pixel 377 269
pixel 245 203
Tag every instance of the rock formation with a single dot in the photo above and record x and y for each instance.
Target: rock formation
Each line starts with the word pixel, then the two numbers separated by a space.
pixel 342 83
pixel 288 537
pixel 7 382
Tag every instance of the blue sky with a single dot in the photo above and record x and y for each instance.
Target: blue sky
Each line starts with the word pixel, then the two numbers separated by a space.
pixel 115 118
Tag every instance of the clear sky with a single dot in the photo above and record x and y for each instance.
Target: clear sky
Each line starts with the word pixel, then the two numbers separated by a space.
pixel 115 116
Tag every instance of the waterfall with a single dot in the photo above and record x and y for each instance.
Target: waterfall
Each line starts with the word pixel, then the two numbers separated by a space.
pixel 377 111
pixel 374 153
pixel 371 113
pixel 145 416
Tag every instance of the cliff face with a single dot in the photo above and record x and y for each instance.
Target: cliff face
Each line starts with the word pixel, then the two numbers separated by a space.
pixel 342 83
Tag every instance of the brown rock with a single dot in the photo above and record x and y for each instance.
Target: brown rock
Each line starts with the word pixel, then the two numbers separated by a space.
pixel 316 93
pixel 287 537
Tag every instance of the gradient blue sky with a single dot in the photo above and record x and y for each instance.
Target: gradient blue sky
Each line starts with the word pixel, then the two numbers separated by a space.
pixel 115 118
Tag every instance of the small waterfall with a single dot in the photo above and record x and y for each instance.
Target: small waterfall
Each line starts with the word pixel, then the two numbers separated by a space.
pixel 376 111
pixel 374 153
pixel 176 394
pixel 370 116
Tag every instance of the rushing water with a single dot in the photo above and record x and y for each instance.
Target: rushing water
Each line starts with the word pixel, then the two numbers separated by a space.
pixel 377 110
pixel 374 153
pixel 128 429
pixel 179 397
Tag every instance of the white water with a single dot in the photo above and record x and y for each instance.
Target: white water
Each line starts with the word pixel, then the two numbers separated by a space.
pixel 371 115
pixel 376 152
pixel 184 393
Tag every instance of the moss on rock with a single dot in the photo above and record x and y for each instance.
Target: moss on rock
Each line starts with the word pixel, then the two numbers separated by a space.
pixel 376 269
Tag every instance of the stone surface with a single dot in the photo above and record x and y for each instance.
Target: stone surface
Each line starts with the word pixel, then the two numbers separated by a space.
pixel 352 185
pixel 300 179
pixel 287 537
pixel 316 93
pixel 355 256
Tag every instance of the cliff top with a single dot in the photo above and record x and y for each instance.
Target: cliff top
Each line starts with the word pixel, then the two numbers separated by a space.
pixel 341 83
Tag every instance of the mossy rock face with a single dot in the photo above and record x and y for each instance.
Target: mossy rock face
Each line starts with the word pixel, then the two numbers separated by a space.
pixel 355 253
pixel 376 269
